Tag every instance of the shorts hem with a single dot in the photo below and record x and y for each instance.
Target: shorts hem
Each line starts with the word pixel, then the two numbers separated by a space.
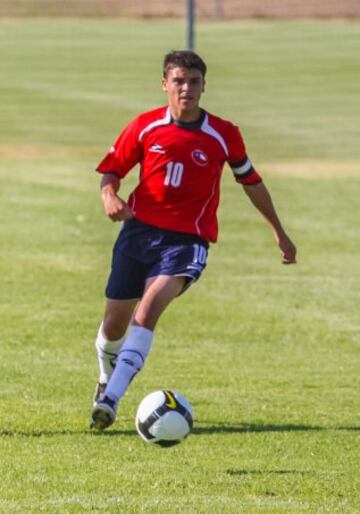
pixel 122 298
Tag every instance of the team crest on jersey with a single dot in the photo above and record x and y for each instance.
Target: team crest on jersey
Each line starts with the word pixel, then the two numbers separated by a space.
pixel 199 157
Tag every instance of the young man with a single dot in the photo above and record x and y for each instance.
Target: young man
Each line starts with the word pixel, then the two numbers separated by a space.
pixel 169 219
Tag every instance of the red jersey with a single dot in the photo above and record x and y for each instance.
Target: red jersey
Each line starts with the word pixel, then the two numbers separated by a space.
pixel 181 166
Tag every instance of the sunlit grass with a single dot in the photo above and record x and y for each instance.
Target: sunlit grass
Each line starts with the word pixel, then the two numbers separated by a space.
pixel 267 354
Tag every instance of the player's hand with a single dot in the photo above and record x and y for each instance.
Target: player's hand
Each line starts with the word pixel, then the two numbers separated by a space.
pixel 287 250
pixel 116 208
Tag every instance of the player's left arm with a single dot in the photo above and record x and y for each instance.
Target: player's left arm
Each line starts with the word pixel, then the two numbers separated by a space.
pixel 261 199
pixel 246 175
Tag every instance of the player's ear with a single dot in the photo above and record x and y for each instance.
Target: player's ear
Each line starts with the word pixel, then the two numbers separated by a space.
pixel 203 88
pixel 164 84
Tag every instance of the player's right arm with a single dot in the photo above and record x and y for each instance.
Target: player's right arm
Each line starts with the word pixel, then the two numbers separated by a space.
pixel 114 206
pixel 121 158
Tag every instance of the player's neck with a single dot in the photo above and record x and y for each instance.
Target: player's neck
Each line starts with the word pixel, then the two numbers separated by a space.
pixel 187 116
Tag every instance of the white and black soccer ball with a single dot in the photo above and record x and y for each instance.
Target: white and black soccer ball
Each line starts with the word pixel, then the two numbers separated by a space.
pixel 164 417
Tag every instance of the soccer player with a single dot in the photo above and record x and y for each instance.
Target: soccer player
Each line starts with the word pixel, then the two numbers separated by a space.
pixel 169 219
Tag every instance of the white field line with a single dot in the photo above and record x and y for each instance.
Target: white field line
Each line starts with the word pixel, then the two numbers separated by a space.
pixel 133 501
pixel 58 92
pixel 311 169
pixel 298 278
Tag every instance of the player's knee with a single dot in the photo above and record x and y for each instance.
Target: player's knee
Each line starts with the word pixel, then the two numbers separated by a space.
pixel 112 329
pixel 148 322
pixel 146 316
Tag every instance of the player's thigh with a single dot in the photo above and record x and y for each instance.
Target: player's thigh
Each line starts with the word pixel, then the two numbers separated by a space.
pixel 118 314
pixel 159 292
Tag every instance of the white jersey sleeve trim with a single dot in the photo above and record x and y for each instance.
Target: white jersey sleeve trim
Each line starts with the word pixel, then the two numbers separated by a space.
pixel 154 124
pixel 208 129
pixel 241 170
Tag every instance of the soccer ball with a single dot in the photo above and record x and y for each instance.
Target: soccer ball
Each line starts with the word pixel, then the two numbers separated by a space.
pixel 164 417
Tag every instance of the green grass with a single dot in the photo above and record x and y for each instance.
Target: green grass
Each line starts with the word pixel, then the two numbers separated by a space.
pixel 267 354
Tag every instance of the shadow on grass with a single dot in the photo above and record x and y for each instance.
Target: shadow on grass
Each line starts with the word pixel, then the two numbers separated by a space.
pixel 56 433
pixel 251 472
pixel 212 428
pixel 245 428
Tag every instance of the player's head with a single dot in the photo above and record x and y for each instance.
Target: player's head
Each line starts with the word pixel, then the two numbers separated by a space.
pixel 183 59
pixel 184 82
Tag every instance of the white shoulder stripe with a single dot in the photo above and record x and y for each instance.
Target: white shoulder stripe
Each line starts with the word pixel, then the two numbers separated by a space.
pixel 154 124
pixel 205 127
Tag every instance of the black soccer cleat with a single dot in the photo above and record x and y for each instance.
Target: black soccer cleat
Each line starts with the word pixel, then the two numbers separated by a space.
pixel 103 414
pixel 99 392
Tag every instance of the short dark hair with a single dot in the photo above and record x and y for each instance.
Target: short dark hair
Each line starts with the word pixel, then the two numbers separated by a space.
pixel 183 59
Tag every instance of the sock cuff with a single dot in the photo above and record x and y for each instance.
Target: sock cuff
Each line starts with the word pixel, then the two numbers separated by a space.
pixel 140 331
pixel 104 344
pixel 139 339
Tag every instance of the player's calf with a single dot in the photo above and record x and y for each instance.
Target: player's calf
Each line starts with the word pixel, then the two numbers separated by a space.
pixel 107 352
pixel 130 361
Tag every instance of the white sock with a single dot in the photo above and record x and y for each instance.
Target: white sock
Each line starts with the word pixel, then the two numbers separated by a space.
pixel 107 352
pixel 130 361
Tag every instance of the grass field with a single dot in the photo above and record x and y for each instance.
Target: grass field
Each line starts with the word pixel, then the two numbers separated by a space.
pixel 268 355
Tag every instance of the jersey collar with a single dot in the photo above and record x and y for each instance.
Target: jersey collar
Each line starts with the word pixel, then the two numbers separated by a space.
pixel 190 125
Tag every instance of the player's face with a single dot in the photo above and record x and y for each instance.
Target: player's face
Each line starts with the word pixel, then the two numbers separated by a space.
pixel 184 87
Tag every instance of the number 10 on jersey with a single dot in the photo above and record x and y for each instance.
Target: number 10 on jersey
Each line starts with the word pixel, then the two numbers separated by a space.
pixel 174 174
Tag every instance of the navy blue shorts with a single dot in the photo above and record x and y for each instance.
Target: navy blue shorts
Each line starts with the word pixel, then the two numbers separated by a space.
pixel 143 251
